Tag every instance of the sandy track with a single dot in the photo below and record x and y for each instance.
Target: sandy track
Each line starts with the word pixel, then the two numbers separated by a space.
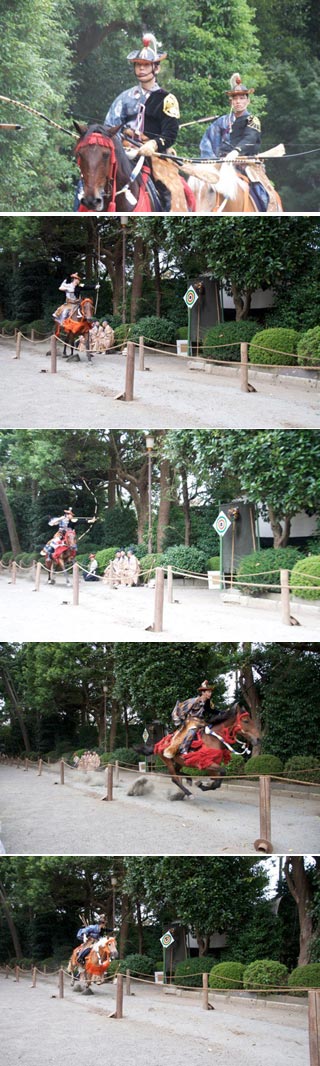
pixel 126 614
pixel 156 1027
pixel 167 395
pixel 40 816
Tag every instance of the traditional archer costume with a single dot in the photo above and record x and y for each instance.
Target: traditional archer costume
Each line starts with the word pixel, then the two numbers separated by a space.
pixel 189 715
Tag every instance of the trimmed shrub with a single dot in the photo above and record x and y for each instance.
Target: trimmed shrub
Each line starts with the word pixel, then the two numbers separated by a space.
pixel 232 333
pixel 265 974
pixel 264 764
pixel 121 333
pixel 125 756
pixel 309 347
pixel 155 331
pixel 308 975
pixel 226 975
pixel 213 563
pixel 148 563
pixel 182 333
pixel 7 557
pixel 104 557
pixel 189 972
pixel 306 573
pixel 138 964
pixel 278 342
pixel 236 766
pixel 303 768
pixel 268 564
pixel 186 558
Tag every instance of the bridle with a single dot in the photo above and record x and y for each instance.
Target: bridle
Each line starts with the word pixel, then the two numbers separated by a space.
pixel 104 142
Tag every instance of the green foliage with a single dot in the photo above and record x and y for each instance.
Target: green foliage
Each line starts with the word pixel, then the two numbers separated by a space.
pixel 182 333
pixel 104 557
pixel 185 558
pixel 265 565
pixel 307 976
pixel 137 964
pixel 226 975
pixel 264 764
pixel 121 333
pixel 305 574
pixel 265 974
pixel 119 527
pixel 309 347
pixel 303 768
pixel 272 345
pixel 231 333
pixel 213 563
pixel 154 330
pixel 125 756
pixel 7 557
pixel 149 563
pixel 236 767
pixel 189 972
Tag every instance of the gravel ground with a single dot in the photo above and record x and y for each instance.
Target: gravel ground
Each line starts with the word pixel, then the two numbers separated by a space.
pixel 156 1027
pixel 40 816
pixel 197 613
pixel 82 395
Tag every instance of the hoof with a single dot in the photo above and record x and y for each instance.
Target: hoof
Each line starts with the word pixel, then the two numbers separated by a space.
pixel 209 788
pixel 88 992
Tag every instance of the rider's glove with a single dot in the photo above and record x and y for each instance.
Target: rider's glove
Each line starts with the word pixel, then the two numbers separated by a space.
pixel 232 155
pixel 148 148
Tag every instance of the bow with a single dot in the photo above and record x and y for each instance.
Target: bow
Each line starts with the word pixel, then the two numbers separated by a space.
pixel 85 518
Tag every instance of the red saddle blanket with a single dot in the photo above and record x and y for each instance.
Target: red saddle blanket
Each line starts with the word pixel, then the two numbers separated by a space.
pixel 199 754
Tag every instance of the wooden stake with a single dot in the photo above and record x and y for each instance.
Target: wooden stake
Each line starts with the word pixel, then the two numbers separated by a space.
pixel 76 574
pixel 264 843
pixel 38 576
pixel 158 600
pixel 119 998
pixel 62 772
pixel 61 984
pixel 244 367
pixel 205 996
pixel 128 993
pixel 18 345
pixel 34 977
pixel 53 354
pixel 285 597
pixel 170 584
pixel 314 1026
pixel 39 767
pixel 141 353
pixel 14 572
pixel 128 395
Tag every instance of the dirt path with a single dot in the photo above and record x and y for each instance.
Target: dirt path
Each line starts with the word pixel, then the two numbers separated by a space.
pixel 157 1027
pixel 40 816
pixel 197 613
pixel 167 395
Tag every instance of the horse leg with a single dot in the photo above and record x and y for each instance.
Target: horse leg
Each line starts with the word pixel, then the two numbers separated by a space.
pixel 175 777
pixel 73 357
pixel 88 350
pixel 216 782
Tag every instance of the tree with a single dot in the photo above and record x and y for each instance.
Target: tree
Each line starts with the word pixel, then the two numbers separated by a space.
pixel 300 882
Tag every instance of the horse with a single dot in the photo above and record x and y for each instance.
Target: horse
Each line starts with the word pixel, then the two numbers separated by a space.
pixel 64 554
pixel 96 963
pixel 77 324
pixel 210 749
pixel 114 182
pixel 224 189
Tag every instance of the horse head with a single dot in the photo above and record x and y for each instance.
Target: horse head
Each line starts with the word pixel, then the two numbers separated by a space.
pixel 244 725
pixel 86 308
pixel 108 945
pixel 96 156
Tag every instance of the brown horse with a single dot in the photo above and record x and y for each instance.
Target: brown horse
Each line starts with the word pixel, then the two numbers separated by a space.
pixel 63 556
pixel 96 963
pixel 78 323
pixel 211 747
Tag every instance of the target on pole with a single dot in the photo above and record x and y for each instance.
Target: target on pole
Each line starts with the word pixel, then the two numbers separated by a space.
pixel 145 735
pixel 190 297
pixel 167 939
pixel 221 524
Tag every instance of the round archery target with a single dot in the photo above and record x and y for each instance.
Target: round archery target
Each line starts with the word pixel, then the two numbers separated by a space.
pixel 190 296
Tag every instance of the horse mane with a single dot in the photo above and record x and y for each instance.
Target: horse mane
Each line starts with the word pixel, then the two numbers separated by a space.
pixel 112 131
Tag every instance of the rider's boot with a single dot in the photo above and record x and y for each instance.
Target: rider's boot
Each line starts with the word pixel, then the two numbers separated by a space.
pixel 186 743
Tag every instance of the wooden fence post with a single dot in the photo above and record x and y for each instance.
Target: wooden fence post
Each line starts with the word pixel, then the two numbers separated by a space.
pixel 7 972
pixel 61 984
pixel 119 997
pixel 158 600
pixel 170 584
pixel 34 977
pixel 314 1026
pixel 109 783
pixel 17 973
pixel 205 994
pixel 14 572
pixel 62 772
pixel 128 393
pixel 128 993
pixel 18 345
pixel 263 843
pixel 141 353
pixel 76 573
pixel 116 775
pixel 244 367
pixel 32 338
pixel 285 597
pixel 38 577
pixel 53 354
pixel 39 767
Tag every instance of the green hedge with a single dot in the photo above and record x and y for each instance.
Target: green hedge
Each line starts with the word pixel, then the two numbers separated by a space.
pixel 268 564
pixel 213 563
pixel 236 766
pixel 103 557
pixel 7 557
pixel 308 975
pixel 306 572
pixel 278 340
pixel 232 333
pixel 121 333
pixel 148 563
pixel 309 347
pixel 186 558
pixel 125 756
pixel 265 974
pixel 155 331
pixel 137 964
pixel 303 768
pixel 264 764
pixel 189 972
pixel 226 975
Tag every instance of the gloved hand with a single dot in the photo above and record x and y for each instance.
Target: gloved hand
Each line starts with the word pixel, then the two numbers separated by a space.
pixel 148 148
pixel 232 155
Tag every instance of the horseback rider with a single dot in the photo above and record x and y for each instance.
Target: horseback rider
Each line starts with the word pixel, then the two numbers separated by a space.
pixel 192 712
pixel 238 133
pixel 64 522
pixel 71 286
pixel 89 935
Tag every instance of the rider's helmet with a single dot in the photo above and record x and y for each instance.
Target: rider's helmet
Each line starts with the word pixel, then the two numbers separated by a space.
pixel 206 686
pixel 76 276
pixel 237 86
pixel 149 53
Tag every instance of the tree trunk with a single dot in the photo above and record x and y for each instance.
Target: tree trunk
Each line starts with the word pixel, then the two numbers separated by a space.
pixel 157 279
pixel 137 283
pixel 10 689
pixel 249 690
pixel 280 535
pixel 11 924
pixel 300 888
pixel 10 521
pixel 124 927
pixel 242 303
pixel 114 722
pixel 165 501
pixel 186 507
pixel 140 928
